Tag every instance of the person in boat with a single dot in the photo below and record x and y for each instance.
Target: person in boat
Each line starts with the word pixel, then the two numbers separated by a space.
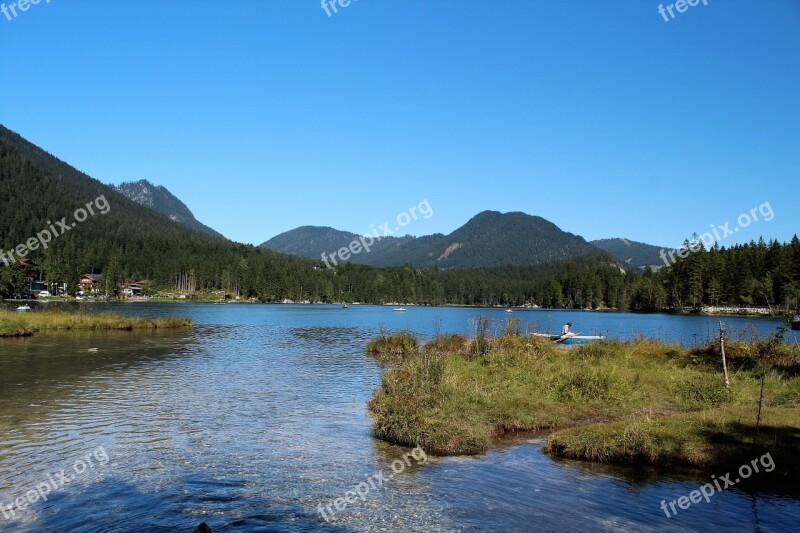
pixel 565 331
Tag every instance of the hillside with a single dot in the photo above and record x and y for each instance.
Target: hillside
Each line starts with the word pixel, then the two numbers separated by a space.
pixel 129 242
pixel 158 198
pixel 488 239
pixel 632 254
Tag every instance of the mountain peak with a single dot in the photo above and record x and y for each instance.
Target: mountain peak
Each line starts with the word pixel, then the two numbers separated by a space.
pixel 160 199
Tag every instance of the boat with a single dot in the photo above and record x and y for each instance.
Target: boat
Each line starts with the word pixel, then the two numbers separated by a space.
pixel 509 310
pixel 25 307
pixel 344 306
pixel 575 339
pixel 399 309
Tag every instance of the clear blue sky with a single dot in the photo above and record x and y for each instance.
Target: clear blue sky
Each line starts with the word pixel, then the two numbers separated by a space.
pixel 264 115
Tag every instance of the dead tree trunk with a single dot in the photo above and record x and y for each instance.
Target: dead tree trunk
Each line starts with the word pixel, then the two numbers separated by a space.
pixel 722 348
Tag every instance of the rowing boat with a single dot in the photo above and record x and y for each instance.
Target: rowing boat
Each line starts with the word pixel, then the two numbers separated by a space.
pixel 575 339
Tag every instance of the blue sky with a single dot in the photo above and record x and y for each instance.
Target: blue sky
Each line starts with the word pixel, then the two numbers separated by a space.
pixel 266 115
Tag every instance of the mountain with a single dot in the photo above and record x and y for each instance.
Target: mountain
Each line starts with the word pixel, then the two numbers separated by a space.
pixel 66 224
pixel 45 218
pixel 631 253
pixel 158 198
pixel 310 241
pixel 488 239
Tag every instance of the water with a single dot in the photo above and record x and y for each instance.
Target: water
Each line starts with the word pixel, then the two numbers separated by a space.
pixel 258 415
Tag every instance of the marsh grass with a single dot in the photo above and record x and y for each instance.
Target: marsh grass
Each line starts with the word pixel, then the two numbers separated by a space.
pixel 638 401
pixel 14 324
pixel 397 346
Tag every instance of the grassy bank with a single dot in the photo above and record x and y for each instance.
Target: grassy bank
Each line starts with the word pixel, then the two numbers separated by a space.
pixel 15 324
pixel 636 402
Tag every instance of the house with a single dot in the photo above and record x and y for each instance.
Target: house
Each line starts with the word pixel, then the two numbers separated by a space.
pixel 31 269
pixel 132 290
pixel 31 274
pixel 90 283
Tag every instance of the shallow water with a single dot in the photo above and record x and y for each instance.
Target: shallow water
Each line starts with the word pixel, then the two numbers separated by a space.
pixel 258 415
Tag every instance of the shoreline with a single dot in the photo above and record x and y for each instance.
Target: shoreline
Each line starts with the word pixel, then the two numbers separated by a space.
pixel 15 324
pixel 701 313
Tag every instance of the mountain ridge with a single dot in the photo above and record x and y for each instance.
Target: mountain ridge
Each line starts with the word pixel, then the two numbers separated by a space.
pixel 488 239
pixel 161 200
pixel 632 253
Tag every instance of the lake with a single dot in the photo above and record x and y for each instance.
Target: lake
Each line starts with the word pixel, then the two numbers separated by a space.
pixel 257 416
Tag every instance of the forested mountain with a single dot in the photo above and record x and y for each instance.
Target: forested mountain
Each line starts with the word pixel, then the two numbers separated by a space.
pixel 488 239
pixel 129 242
pixel 158 198
pixel 310 241
pixel 632 254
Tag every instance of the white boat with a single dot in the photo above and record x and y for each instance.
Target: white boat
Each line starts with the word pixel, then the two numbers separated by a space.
pixel 399 309
pixel 574 339
pixel 509 310
pixel 25 307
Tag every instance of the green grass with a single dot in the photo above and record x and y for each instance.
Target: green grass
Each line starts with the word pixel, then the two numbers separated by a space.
pixel 15 324
pixel 640 401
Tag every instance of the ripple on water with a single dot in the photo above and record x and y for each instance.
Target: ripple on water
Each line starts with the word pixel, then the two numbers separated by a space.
pixel 251 424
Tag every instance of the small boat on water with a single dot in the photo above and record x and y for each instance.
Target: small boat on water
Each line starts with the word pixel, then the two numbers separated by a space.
pixel 23 308
pixel 575 339
pixel 509 310
pixel 399 309
pixel 344 306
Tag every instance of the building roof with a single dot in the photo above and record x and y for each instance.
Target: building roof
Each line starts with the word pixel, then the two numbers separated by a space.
pixel 93 277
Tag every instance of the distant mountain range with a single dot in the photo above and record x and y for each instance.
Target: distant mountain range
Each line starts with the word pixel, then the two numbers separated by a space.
pixel 488 239
pixel 159 199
